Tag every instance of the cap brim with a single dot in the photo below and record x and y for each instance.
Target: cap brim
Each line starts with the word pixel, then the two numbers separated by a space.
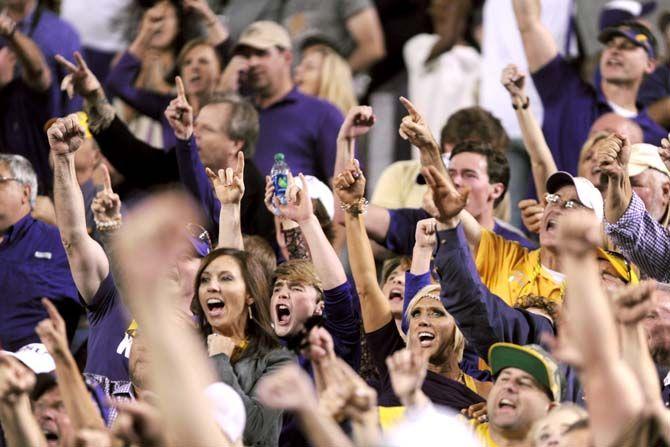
pixel 636 169
pixel 507 355
pixel 620 265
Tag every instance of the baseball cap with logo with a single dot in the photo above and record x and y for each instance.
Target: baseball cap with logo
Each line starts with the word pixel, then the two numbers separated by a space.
pixel 36 357
pixel 635 32
pixel 644 156
pixel 532 359
pixel 588 194
pixel 264 35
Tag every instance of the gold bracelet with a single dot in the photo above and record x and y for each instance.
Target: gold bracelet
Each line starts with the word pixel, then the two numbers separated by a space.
pixel 356 207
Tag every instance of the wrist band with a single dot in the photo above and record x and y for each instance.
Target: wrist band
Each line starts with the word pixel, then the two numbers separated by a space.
pixel 523 106
pixel 356 207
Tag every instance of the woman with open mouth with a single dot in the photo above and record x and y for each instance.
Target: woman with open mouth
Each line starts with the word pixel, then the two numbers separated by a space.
pixel 229 303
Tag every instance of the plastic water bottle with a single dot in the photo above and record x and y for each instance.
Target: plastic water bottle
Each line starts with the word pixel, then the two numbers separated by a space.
pixel 279 174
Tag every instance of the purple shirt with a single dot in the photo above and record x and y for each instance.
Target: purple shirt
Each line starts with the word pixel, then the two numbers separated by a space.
pixel 304 129
pixel 108 344
pixel 33 265
pixel 25 112
pixel 643 240
pixel 570 108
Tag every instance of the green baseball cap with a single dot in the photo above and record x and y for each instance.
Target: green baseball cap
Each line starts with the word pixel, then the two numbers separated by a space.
pixel 532 359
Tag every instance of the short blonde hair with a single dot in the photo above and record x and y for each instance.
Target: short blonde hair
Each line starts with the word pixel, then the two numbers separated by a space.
pixel 336 82
pixel 592 140
pixel 432 291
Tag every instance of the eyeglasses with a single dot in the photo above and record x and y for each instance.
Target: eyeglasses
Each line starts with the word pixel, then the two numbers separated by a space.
pixel 199 233
pixel 555 199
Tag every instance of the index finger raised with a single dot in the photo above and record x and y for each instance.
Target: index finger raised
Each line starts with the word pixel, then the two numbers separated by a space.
pixel 54 315
pixel 239 170
pixel 181 92
pixel 410 107
pixel 106 179
pixel 69 66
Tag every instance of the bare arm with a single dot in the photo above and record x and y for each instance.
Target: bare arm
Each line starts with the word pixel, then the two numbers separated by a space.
pixel 36 71
pixel 589 317
pixel 612 154
pixel 538 42
pixel 366 30
pixel 78 403
pixel 216 32
pixel 88 263
pixel 542 162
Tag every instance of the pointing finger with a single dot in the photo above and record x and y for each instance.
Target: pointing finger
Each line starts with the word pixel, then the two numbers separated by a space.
pixel 80 60
pixel 410 108
pixel 181 92
pixel 107 181
pixel 65 63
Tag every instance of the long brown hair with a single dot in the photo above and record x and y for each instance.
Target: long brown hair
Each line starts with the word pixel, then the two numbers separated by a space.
pixel 259 332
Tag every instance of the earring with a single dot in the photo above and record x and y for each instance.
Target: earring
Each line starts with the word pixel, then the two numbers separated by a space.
pixel 251 315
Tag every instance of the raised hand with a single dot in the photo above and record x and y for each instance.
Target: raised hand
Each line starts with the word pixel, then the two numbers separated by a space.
pixel 321 346
pixel 612 154
pixel 358 122
pixel 220 344
pixel 531 214
pixel 513 80
pixel 138 423
pixel 106 205
pixel 564 347
pixel 229 183
pixel 65 135
pixel 407 371
pixel 80 79
pixel 476 412
pixel 415 129
pixel 350 184
pixel 635 302
pixel 7 26
pixel 426 233
pixel 180 114
pixel 298 207
pixel 52 331
pixel 290 388
pixel 362 398
pixel 15 379
pixel 579 233
pixel 448 200
pixel 201 8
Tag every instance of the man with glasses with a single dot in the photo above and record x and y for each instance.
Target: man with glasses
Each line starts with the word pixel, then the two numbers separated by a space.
pixel 32 260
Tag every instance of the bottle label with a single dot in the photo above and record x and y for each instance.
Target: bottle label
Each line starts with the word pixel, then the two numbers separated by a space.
pixel 280 182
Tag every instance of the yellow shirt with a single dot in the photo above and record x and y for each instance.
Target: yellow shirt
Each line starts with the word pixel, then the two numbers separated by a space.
pixel 511 271
pixel 397 186
pixel 483 434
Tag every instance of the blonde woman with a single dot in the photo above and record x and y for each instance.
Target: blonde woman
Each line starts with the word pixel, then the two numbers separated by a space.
pixel 323 73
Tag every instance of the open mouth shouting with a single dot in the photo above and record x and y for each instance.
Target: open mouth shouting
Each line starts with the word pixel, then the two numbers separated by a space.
pixel 283 314
pixel 215 307
pixel 396 294
pixel 52 437
pixel 506 405
pixel 426 339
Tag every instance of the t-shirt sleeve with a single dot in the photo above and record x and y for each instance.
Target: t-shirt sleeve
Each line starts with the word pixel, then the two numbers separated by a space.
pixel 103 301
pixel 557 82
pixel 400 236
pixel 388 190
pixel 342 322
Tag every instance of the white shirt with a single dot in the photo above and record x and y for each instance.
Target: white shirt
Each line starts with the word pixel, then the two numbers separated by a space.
pixel 448 83
pixel 626 113
pixel 502 46
pixel 99 23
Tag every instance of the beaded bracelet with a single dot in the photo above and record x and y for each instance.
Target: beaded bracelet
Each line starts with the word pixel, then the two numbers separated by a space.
pixel 108 226
pixel 523 106
pixel 356 207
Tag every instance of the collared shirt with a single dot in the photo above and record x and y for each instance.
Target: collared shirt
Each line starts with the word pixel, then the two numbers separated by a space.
pixel 33 265
pixel 570 108
pixel 113 389
pixel 304 128
pixel 25 111
pixel 643 240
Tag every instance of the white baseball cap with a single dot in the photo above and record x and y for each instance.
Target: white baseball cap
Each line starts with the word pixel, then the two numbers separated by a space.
pixel 644 156
pixel 423 426
pixel 229 411
pixel 587 193
pixel 36 357
pixel 319 190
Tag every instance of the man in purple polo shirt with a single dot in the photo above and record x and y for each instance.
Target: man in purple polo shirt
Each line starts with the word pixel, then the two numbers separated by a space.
pixel 26 106
pixel 571 105
pixel 302 127
pixel 32 260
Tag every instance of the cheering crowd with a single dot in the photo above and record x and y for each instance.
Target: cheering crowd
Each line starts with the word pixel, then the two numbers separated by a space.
pixel 188 255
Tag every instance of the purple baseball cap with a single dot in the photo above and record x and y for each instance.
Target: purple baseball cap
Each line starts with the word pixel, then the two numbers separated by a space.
pixel 635 32
pixel 616 12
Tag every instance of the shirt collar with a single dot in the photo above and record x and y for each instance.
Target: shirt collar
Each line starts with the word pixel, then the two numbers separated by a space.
pixel 18 228
pixel 293 95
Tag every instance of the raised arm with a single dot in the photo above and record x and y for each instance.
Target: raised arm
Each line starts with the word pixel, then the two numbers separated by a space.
pixel 216 32
pixel 350 188
pixel 36 72
pixel 538 42
pixel 16 415
pixel 179 369
pixel 80 407
pixel 88 263
pixel 366 30
pixel 229 187
pixel 542 162
pixel 588 315
pixel 414 129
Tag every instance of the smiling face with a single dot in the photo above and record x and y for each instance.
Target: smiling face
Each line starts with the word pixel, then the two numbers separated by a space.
pixel 516 402
pixel 52 418
pixel 223 297
pixel 433 329
pixel 624 62
pixel 394 290
pixel 308 72
pixel 469 169
pixel 292 303
pixel 200 70
pixel 553 213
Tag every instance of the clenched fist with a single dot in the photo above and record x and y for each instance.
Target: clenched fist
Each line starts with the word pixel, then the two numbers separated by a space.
pixel 65 135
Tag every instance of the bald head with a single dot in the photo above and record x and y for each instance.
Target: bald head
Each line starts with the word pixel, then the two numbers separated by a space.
pixel 613 123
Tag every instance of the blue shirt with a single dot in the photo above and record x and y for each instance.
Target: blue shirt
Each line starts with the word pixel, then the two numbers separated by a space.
pixel 400 237
pixel 33 265
pixel 108 343
pixel 570 108
pixel 25 111
pixel 304 129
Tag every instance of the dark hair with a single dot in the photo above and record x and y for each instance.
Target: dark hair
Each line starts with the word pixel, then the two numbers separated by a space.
pixel 299 270
pixel 324 219
pixel 259 331
pixel 497 166
pixel 474 124
pixel 242 124
pixel 260 249
pixel 393 263
pixel 664 21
